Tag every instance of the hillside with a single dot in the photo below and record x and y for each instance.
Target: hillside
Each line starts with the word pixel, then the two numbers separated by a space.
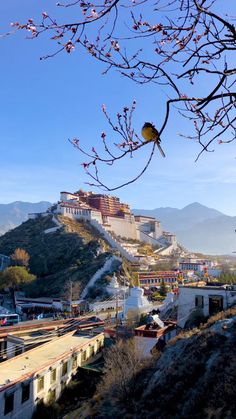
pixel 13 214
pixel 198 228
pixel 195 377
pixel 70 253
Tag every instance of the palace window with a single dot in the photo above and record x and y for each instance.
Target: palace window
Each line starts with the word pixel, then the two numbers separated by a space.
pixel 91 351
pixel 53 375
pixel 64 368
pixel 74 363
pixel 25 394
pixel 9 403
pixel 40 384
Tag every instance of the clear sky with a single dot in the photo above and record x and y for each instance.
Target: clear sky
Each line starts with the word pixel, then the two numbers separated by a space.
pixel 43 103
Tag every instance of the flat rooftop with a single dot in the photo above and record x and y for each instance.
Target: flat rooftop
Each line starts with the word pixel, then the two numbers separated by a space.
pixel 209 286
pixel 36 359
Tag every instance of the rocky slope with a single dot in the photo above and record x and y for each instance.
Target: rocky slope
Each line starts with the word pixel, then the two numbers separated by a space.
pixel 67 254
pixel 195 377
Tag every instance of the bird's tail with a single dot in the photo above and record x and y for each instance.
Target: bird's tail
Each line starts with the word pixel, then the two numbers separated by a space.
pixel 160 149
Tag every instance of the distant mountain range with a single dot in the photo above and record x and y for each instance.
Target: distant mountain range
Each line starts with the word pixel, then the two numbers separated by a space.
pixel 198 228
pixel 13 214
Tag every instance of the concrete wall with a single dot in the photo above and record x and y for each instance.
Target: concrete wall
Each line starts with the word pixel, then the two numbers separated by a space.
pixel 105 305
pixel 186 301
pixel 122 227
pixel 106 268
pixel 144 237
pixel 26 409
pixel 78 214
pixel 152 228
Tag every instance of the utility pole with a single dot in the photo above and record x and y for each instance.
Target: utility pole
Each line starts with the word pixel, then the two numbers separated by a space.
pixel 117 309
pixel 71 291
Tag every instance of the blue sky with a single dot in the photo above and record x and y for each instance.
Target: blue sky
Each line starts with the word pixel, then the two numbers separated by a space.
pixel 43 103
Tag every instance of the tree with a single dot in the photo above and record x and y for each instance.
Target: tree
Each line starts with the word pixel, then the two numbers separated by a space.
pixel 176 46
pixel 15 276
pixel 163 289
pixel 123 362
pixel 20 257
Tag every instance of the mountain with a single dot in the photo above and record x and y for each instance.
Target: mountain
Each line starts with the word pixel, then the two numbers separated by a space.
pixel 70 253
pixel 13 214
pixel 198 228
pixel 194 377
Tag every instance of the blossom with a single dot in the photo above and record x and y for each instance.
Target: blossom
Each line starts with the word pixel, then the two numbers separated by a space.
pixel 69 46
pixel 94 14
pixel 115 45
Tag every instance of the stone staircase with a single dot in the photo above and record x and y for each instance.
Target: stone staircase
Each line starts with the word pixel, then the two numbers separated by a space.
pixel 113 242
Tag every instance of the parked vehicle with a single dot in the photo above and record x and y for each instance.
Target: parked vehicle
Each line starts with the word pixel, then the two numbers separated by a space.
pixel 9 319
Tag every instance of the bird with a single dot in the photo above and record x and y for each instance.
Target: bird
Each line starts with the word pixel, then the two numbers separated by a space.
pixel 150 133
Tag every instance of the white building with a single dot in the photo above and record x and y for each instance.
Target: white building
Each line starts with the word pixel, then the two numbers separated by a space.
pixel 42 373
pixel 153 335
pixel 209 299
pixel 113 218
pixel 114 288
pixel 136 302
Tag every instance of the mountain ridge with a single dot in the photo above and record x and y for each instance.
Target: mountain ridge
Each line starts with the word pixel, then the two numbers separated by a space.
pixel 198 228
pixel 14 213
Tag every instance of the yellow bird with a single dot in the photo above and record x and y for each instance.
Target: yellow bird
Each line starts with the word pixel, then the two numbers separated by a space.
pixel 150 133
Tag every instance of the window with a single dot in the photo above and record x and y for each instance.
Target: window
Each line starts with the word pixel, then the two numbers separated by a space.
pixel 9 403
pixel 199 301
pixel 74 363
pixel 25 392
pixel 64 368
pixel 53 375
pixel 99 346
pixel 51 396
pixel 215 304
pixel 84 356
pixel 91 351
pixel 40 383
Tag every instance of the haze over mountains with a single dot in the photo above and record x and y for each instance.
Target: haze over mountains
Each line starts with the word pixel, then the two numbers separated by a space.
pixel 13 214
pixel 198 228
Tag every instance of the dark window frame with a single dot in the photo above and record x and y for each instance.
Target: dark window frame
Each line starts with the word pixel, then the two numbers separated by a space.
pixel 64 370
pixel 53 375
pixel 25 393
pixel 199 301
pixel 9 403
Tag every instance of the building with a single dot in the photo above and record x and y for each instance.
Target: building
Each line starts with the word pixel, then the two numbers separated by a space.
pixel 108 205
pixel 195 265
pixel 23 303
pixel 153 335
pixel 114 220
pixel 42 373
pixel 136 303
pixel 20 338
pixel 148 226
pixel 209 299
pixel 155 278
